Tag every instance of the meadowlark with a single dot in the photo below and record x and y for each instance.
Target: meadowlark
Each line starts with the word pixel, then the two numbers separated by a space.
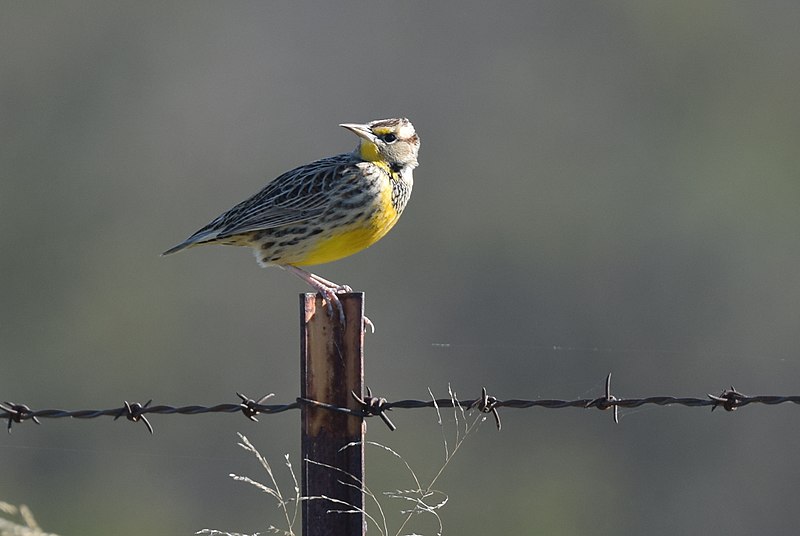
pixel 325 210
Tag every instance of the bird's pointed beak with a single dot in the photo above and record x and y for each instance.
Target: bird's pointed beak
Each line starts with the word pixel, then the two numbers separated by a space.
pixel 362 131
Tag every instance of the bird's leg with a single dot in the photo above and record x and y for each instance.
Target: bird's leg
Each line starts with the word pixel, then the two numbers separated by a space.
pixel 324 287
pixel 329 291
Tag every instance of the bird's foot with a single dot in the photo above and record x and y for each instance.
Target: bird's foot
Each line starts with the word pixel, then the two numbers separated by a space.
pixel 334 306
pixel 329 292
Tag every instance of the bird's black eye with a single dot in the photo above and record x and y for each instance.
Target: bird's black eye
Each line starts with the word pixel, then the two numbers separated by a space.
pixel 388 138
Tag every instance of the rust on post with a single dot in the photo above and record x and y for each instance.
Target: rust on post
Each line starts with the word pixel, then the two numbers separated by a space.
pixel 331 367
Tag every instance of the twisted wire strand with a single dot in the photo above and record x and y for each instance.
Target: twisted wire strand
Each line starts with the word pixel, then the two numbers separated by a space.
pixel 369 406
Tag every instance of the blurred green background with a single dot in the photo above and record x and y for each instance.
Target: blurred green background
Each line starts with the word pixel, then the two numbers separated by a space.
pixel 604 186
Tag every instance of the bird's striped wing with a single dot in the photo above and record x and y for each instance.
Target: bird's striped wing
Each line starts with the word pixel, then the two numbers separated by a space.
pixel 295 197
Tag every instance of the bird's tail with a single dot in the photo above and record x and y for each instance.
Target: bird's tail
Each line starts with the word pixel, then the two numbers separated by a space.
pixel 175 249
pixel 203 236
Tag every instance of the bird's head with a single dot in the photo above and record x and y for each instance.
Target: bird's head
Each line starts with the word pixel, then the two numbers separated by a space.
pixel 392 141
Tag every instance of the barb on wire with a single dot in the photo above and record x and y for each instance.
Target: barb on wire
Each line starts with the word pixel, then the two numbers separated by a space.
pixel 487 404
pixel 605 402
pixel 729 399
pixel 250 407
pixel 371 406
pixel 17 413
pixel 133 412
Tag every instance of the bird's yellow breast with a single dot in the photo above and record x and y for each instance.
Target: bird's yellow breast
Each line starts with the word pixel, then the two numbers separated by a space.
pixel 347 240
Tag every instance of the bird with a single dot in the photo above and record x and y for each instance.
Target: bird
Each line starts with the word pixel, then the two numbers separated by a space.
pixel 325 210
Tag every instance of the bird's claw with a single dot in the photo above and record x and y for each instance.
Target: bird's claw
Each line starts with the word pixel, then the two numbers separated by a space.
pixel 343 289
pixel 334 305
pixel 368 324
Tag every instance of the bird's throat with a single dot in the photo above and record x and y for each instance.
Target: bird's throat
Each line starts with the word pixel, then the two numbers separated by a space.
pixel 369 151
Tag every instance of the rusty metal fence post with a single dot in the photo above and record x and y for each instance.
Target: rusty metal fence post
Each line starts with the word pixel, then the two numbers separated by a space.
pixel 331 367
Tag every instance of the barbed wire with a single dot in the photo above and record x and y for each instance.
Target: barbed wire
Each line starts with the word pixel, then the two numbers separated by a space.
pixel 372 406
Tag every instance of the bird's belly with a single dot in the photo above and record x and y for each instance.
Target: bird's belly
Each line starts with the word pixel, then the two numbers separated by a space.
pixel 352 237
pixel 338 246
